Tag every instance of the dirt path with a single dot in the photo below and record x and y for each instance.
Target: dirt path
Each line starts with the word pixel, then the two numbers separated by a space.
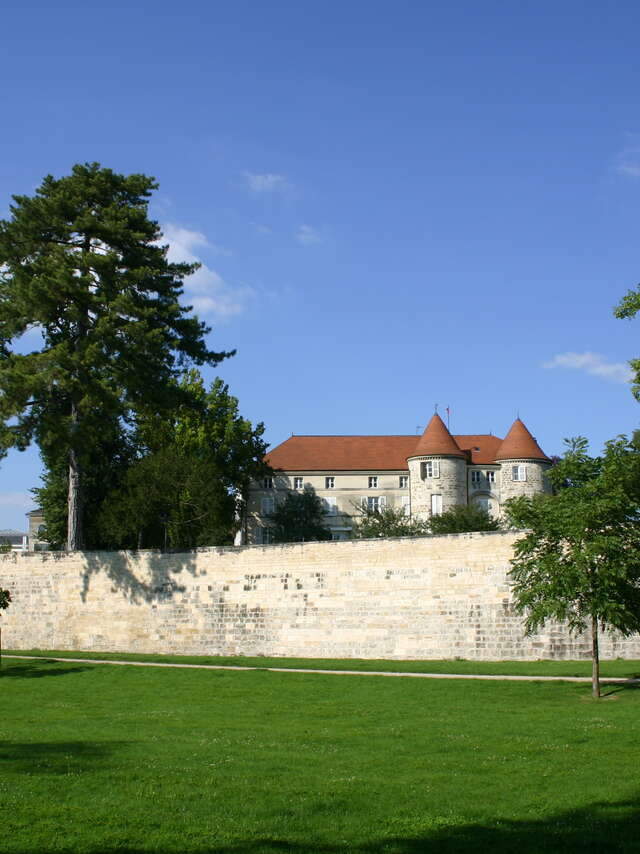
pixel 605 679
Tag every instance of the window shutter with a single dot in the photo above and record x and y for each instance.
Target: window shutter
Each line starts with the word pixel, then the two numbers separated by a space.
pixel 436 468
pixel 382 504
pixel 522 472
pixel 363 502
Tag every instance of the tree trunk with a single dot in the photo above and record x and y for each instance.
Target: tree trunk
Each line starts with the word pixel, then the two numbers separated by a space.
pixel 595 659
pixel 74 508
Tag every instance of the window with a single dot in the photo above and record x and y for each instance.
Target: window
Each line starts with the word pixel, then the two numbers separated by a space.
pixel 436 505
pixel 518 472
pixel 267 536
pixel 298 482
pixel 373 482
pixel 267 483
pixel 330 506
pixel 329 483
pixel 373 503
pixel 431 469
pixel 404 481
pixel 268 505
pixel 484 504
pixel 491 476
pixel 475 476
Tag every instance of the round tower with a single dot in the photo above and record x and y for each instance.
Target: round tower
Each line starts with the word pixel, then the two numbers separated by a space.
pixel 523 464
pixel 437 472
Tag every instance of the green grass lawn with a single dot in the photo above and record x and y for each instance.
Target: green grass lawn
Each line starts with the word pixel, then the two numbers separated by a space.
pixel 617 668
pixel 95 758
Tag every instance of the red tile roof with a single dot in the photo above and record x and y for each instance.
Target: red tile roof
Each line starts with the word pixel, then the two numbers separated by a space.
pixel 368 453
pixel 436 439
pixel 519 444
pixel 343 453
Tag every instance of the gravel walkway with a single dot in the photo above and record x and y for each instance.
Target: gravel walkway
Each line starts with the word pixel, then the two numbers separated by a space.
pixel 605 679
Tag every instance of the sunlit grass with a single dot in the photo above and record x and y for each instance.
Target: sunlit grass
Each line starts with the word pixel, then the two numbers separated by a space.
pixel 96 758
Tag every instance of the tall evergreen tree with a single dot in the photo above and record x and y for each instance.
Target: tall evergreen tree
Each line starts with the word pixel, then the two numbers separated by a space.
pixel 81 261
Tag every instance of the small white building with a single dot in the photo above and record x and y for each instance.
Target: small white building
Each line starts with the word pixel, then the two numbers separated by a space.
pixel 16 539
pixel 424 475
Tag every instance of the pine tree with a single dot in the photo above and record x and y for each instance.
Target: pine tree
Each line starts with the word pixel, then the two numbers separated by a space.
pixel 82 262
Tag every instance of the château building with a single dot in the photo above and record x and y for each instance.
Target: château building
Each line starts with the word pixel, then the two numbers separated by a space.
pixel 424 475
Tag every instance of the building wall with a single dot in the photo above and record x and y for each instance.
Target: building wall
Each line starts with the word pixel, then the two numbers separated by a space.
pixel 536 481
pixel 433 597
pixel 451 484
pixel 349 490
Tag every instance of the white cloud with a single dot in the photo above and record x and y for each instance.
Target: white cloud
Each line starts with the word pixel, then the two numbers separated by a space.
pixel 206 290
pixel 307 235
pixel 262 229
pixel 592 363
pixel 265 182
pixel 628 161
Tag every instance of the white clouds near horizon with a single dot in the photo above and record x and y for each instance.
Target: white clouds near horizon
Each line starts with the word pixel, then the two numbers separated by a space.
pixel 592 363
pixel 206 290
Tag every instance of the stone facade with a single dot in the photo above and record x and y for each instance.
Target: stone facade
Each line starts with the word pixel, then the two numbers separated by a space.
pixel 420 475
pixel 448 480
pixel 432 597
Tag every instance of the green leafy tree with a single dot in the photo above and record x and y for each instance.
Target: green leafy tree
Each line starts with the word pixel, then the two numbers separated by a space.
pixel 580 562
pixel 462 518
pixel 388 522
pixel 184 489
pixel 299 518
pixel 628 307
pixel 82 262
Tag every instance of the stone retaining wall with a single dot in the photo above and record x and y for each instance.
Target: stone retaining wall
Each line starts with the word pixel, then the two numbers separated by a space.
pixel 433 597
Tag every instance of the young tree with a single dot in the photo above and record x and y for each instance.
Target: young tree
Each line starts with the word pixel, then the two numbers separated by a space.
pixel 629 306
pixel 183 489
pixel 462 518
pixel 81 261
pixel 5 601
pixel 299 518
pixel 388 522
pixel 580 561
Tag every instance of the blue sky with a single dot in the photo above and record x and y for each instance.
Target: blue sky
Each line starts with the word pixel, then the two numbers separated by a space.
pixel 396 204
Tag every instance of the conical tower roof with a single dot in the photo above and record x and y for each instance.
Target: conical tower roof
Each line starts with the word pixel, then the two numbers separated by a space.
pixel 519 444
pixel 436 439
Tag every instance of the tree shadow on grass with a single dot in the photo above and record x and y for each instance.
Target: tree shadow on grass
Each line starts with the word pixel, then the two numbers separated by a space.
pixel 55 757
pixel 609 691
pixel 36 671
pixel 594 828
